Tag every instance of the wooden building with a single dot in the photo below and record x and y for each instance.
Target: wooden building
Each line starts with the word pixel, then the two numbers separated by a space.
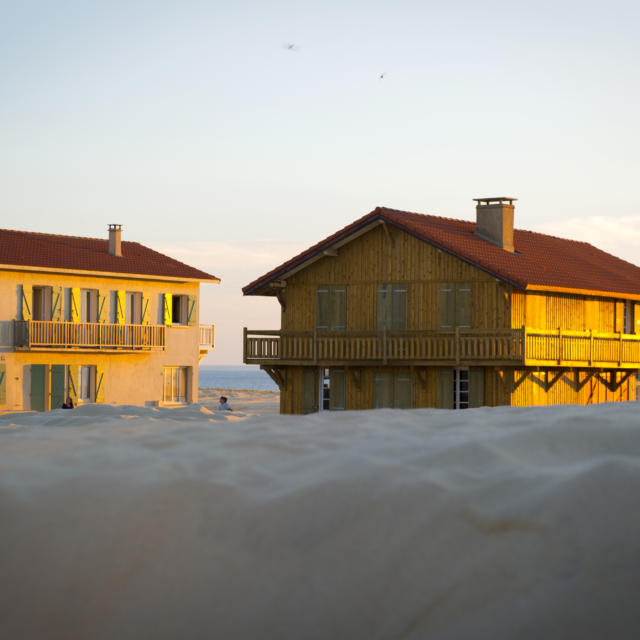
pixel 406 310
pixel 99 320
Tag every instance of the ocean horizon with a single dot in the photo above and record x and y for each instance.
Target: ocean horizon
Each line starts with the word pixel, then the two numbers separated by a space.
pixel 249 377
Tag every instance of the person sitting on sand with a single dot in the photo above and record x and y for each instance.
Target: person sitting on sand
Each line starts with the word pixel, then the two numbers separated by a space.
pixel 224 405
pixel 68 403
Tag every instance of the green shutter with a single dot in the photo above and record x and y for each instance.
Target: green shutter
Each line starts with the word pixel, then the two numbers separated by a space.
pixel 323 308
pixel 399 307
pixel 463 305
pixel 74 382
pixel 57 385
pixel 382 304
pixel 403 391
pixel 191 310
pixel 476 387
pixel 336 389
pixel 447 306
pixel 27 299
pixel 338 308
pixel 3 383
pixel 309 390
pixel 383 390
pixel 100 384
pixel 37 387
pixel 445 388
pixel 56 304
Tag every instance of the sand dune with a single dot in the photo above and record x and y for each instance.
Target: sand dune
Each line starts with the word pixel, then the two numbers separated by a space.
pixel 129 522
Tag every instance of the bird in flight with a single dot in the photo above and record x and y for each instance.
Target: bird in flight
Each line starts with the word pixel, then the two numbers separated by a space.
pixel 381 76
pixel 290 46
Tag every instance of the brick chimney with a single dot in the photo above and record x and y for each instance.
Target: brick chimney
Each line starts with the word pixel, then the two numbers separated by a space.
pixel 115 245
pixel 494 221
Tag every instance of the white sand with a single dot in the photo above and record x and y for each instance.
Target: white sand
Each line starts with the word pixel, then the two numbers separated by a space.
pixel 127 522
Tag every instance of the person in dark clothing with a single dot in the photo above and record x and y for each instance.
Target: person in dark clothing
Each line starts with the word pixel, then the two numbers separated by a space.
pixel 68 403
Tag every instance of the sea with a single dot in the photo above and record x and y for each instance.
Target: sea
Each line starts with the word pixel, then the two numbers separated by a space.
pixel 235 377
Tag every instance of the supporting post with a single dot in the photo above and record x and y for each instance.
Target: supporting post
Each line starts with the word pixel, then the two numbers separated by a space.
pixel 244 345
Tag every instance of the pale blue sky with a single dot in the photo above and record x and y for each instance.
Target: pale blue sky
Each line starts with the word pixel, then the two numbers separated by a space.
pixel 195 127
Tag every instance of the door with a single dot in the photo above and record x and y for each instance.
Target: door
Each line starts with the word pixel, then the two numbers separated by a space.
pixel 309 390
pixel 58 372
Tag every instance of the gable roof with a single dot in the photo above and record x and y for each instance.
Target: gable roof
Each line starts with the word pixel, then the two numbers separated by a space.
pixel 539 262
pixel 55 252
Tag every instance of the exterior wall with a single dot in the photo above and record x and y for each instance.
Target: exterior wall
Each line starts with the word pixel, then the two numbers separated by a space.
pixel 371 260
pixel 129 378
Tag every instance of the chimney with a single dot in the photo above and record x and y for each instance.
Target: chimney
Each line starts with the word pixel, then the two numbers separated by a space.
pixel 494 221
pixel 115 246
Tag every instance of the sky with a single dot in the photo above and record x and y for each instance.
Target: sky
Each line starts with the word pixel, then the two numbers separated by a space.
pixel 233 135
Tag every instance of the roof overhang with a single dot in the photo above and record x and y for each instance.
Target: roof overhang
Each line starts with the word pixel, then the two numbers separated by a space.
pixel 583 292
pixel 105 274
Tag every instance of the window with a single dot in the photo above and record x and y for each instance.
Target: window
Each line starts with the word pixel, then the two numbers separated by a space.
pixel 179 309
pixel 455 305
pixel 333 389
pixel 628 317
pixel 86 392
pixel 175 384
pixel 393 390
pixel 391 306
pixel 89 305
pixel 133 307
pixel 41 305
pixel 460 388
pixel 332 307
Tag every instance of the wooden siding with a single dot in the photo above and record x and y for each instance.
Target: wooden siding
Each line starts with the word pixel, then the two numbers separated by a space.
pixel 375 258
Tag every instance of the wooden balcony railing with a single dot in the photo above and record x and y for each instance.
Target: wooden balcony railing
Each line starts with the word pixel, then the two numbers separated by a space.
pixel 516 347
pixel 30 335
pixel 207 336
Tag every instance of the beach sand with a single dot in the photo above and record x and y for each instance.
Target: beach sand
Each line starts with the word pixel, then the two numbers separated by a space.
pixel 246 402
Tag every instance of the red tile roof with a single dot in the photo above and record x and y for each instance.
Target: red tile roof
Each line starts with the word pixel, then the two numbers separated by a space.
pixel 538 261
pixel 48 251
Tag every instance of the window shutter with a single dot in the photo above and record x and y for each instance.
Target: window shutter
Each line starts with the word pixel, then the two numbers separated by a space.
pixel 636 317
pixel 403 392
pixel 56 304
pixel 146 309
pixel 324 308
pixel 463 306
pixel 3 383
pixel 74 381
pixel 103 307
pixel 57 385
pixel 27 298
pixel 191 310
pixel 445 388
pixel 383 390
pixel 339 308
pixel 337 390
pixel 447 306
pixel 309 390
pixel 121 302
pixel 167 309
pixel 382 297
pixel 100 384
pixel 399 307
pixel 476 387
pixel 75 304
pixel 37 387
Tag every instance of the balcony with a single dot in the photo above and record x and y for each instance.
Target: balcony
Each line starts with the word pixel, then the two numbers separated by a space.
pixel 207 339
pixel 455 347
pixel 39 335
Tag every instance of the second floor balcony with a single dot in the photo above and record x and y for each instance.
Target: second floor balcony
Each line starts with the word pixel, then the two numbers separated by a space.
pixel 524 347
pixel 42 335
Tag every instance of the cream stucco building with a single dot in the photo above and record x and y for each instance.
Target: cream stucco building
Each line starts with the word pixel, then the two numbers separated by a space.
pixel 99 320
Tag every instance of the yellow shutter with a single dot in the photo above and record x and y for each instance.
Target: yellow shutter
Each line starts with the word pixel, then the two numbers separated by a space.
pixel 27 298
pixel 120 306
pixel 75 304
pixel 56 304
pixel 103 306
pixel 146 309
pixel 74 382
pixel 100 383
pixel 463 305
pixel 167 312
pixel 636 317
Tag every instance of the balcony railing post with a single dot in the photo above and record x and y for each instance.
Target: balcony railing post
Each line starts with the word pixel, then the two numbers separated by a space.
pixel 559 345
pixel 315 346
pixel 457 345
pixel 384 345
pixel 590 347
pixel 620 349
